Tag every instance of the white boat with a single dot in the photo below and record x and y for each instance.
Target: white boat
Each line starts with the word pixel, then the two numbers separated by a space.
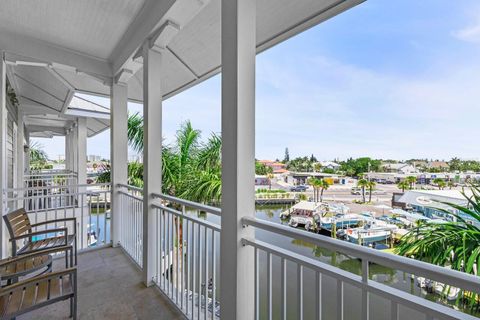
pixel 366 235
pixel 448 292
pixel 304 213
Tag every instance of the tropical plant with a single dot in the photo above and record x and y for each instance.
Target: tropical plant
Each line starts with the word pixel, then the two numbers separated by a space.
pixel 371 185
pixel 190 169
pixel 324 185
pixel 262 169
pixel 440 183
pixel 403 185
pixel 38 156
pixel 455 244
pixel 411 180
pixel 363 183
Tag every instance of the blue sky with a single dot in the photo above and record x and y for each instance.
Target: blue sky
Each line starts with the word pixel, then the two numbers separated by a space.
pixel 387 79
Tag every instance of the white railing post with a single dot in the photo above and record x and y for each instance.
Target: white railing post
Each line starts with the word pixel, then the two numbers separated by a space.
pixel 81 154
pixel 238 157
pixel 119 152
pixel 152 153
pixel 20 156
pixel 3 154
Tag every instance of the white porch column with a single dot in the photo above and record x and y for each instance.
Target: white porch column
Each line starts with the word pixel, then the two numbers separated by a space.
pixel 27 154
pixel 3 155
pixel 81 154
pixel 67 150
pixel 238 157
pixel 118 151
pixel 152 153
pixel 20 156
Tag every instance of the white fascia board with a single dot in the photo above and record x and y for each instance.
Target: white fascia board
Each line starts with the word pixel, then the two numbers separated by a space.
pixel 140 29
pixel 87 114
pixel 43 52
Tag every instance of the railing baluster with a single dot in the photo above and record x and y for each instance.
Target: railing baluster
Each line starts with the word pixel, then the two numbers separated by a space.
pixel 199 270
pixel 189 259
pixel 214 279
pixel 257 284
pixel 394 311
pixel 205 254
pixel 269 286
pixel 318 295
pixel 300 291
pixel 283 289
pixel 339 299
pixel 182 273
pixel 365 294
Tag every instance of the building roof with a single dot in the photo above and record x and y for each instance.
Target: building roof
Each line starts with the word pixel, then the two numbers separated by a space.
pixel 434 198
pixel 306 205
pixel 329 164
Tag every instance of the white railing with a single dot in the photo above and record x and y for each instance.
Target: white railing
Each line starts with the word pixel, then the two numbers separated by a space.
pixel 398 300
pixel 47 178
pixel 188 255
pixel 89 204
pixel 131 222
pixel 188 265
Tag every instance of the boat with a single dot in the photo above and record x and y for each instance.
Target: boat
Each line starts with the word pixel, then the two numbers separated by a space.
pixel 367 234
pixel 446 291
pixel 341 221
pixel 305 213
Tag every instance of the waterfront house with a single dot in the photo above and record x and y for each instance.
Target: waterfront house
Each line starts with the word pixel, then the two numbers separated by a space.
pixel 142 255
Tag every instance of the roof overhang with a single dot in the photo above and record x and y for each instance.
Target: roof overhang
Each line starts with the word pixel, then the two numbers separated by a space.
pixel 99 44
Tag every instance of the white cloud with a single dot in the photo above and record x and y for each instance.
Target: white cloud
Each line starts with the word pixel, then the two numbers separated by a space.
pixel 470 33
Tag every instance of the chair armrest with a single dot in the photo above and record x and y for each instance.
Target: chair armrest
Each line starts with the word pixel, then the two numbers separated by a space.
pixel 37 233
pixel 34 254
pixel 42 277
pixel 53 221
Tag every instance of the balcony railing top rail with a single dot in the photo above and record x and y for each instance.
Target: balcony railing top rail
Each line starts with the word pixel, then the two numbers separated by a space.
pixel 189 204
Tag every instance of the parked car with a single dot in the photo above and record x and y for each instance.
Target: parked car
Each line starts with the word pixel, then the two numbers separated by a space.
pixel 299 188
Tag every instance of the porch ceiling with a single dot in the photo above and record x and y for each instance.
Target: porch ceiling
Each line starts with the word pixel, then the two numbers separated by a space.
pixel 59 47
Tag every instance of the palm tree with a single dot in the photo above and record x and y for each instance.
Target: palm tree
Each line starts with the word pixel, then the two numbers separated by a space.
pixel 403 185
pixel 371 185
pixel 450 184
pixel 313 182
pixel 363 183
pixel 324 185
pixel 453 243
pixel 38 156
pixel 190 169
pixel 411 180
pixel 440 183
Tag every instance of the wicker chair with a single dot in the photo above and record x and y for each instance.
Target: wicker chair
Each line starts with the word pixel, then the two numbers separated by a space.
pixel 40 291
pixel 20 228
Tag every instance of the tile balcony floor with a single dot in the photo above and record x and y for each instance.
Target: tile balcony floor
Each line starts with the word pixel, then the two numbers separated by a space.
pixel 109 287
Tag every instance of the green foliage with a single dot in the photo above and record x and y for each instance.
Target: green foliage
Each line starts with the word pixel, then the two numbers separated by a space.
pixel 300 164
pixel 135 132
pixel 453 244
pixel 319 186
pixel 455 164
pixel 38 157
pixel 363 183
pixel 190 169
pixel 262 169
pixel 440 183
pixel 355 167
pixel 403 185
